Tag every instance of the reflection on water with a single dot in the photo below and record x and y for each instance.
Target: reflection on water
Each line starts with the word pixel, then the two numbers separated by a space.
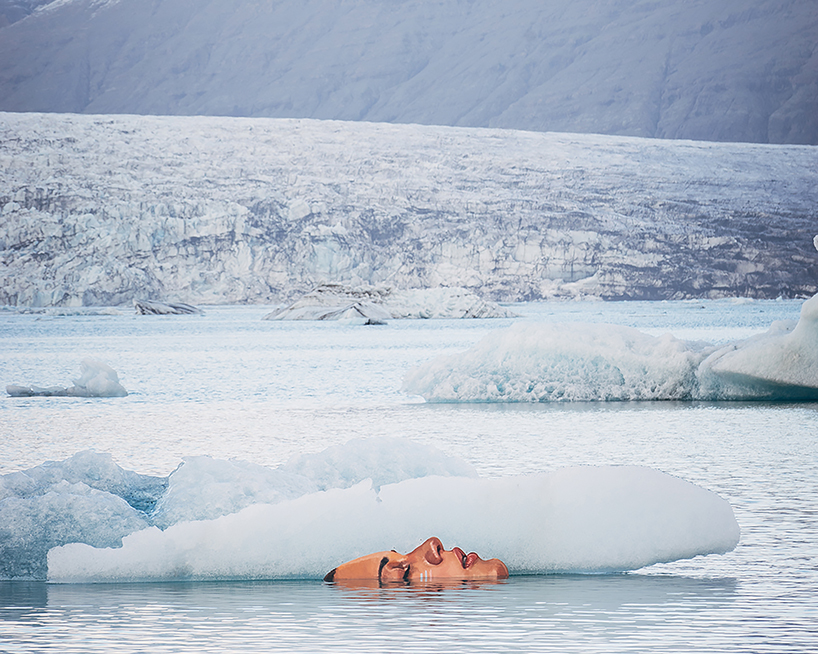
pixel 553 613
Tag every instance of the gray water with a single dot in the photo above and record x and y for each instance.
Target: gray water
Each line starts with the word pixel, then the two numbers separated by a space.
pixel 232 386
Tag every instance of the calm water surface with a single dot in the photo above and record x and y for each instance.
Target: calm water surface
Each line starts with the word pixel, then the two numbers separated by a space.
pixel 232 386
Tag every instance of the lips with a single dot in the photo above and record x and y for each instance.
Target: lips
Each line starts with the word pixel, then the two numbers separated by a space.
pixel 466 560
pixel 461 556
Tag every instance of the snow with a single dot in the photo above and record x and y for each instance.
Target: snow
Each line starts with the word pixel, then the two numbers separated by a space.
pixel 597 362
pixel 102 210
pixel 233 519
pixel 377 305
pixel 97 379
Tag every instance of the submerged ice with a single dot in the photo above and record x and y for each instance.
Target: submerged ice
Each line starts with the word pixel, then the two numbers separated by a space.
pixel 598 362
pixel 97 379
pixel 212 519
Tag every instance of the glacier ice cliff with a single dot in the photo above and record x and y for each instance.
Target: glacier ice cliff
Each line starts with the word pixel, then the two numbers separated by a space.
pixel 102 210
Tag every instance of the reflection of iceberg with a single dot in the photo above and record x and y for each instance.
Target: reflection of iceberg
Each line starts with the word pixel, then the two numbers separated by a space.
pixel 154 308
pixel 97 379
pixel 375 305
pixel 232 519
pixel 591 362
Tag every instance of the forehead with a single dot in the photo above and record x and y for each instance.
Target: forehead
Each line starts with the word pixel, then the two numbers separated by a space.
pixel 365 567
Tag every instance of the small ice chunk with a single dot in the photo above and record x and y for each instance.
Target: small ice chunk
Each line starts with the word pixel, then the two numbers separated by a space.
pixel 97 379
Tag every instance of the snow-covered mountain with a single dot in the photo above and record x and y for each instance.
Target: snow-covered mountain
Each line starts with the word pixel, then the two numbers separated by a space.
pixel 100 210
pixel 733 70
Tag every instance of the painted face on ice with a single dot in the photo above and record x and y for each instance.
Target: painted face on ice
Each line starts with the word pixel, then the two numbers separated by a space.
pixel 428 562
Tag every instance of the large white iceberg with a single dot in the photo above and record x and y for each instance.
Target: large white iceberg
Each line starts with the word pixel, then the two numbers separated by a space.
pixel 375 305
pixel 573 520
pixel 89 520
pixel 531 362
pixel 97 379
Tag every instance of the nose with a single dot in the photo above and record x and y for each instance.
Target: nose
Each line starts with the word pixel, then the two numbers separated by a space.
pixel 431 551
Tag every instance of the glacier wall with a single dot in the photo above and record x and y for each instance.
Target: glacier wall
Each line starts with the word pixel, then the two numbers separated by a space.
pixel 102 210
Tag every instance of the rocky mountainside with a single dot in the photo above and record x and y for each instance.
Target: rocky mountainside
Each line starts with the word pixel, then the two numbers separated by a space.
pixel 102 210
pixel 733 70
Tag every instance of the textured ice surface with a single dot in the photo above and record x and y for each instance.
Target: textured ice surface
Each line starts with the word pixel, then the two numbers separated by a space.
pixel 97 379
pixel 233 519
pixel 573 520
pixel 378 304
pixel 99 210
pixel 598 362
pixel 88 498
pixel 152 307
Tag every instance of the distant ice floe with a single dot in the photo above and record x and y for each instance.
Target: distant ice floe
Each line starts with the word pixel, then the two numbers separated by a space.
pixel 152 307
pixel 97 379
pixel 215 519
pixel 376 305
pixel 597 362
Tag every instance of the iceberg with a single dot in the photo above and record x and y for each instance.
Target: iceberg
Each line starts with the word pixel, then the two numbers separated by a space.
pixel 88 498
pixel 97 379
pixel 780 364
pixel 154 308
pixel 376 305
pixel 573 520
pixel 87 519
pixel 597 362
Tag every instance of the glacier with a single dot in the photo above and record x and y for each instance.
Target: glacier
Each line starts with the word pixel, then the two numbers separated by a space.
pixel 87 519
pixel 598 362
pixel 103 210
pixel 97 379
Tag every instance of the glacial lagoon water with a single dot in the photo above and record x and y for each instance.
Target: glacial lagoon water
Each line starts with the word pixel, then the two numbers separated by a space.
pixel 230 385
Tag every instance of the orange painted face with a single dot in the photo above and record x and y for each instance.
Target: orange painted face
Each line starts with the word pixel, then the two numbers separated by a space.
pixel 428 562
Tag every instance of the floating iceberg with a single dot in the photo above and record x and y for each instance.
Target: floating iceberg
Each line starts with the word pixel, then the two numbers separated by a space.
pixel 375 305
pixel 210 519
pixel 573 520
pixel 88 498
pixel 151 307
pixel 597 362
pixel 97 379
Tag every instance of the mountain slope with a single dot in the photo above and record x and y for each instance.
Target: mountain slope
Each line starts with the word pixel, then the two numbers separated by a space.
pixel 737 70
pixel 101 210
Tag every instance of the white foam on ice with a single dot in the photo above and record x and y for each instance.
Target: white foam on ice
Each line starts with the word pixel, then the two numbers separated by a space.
pixel 573 520
pixel 97 379
pixel 598 362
